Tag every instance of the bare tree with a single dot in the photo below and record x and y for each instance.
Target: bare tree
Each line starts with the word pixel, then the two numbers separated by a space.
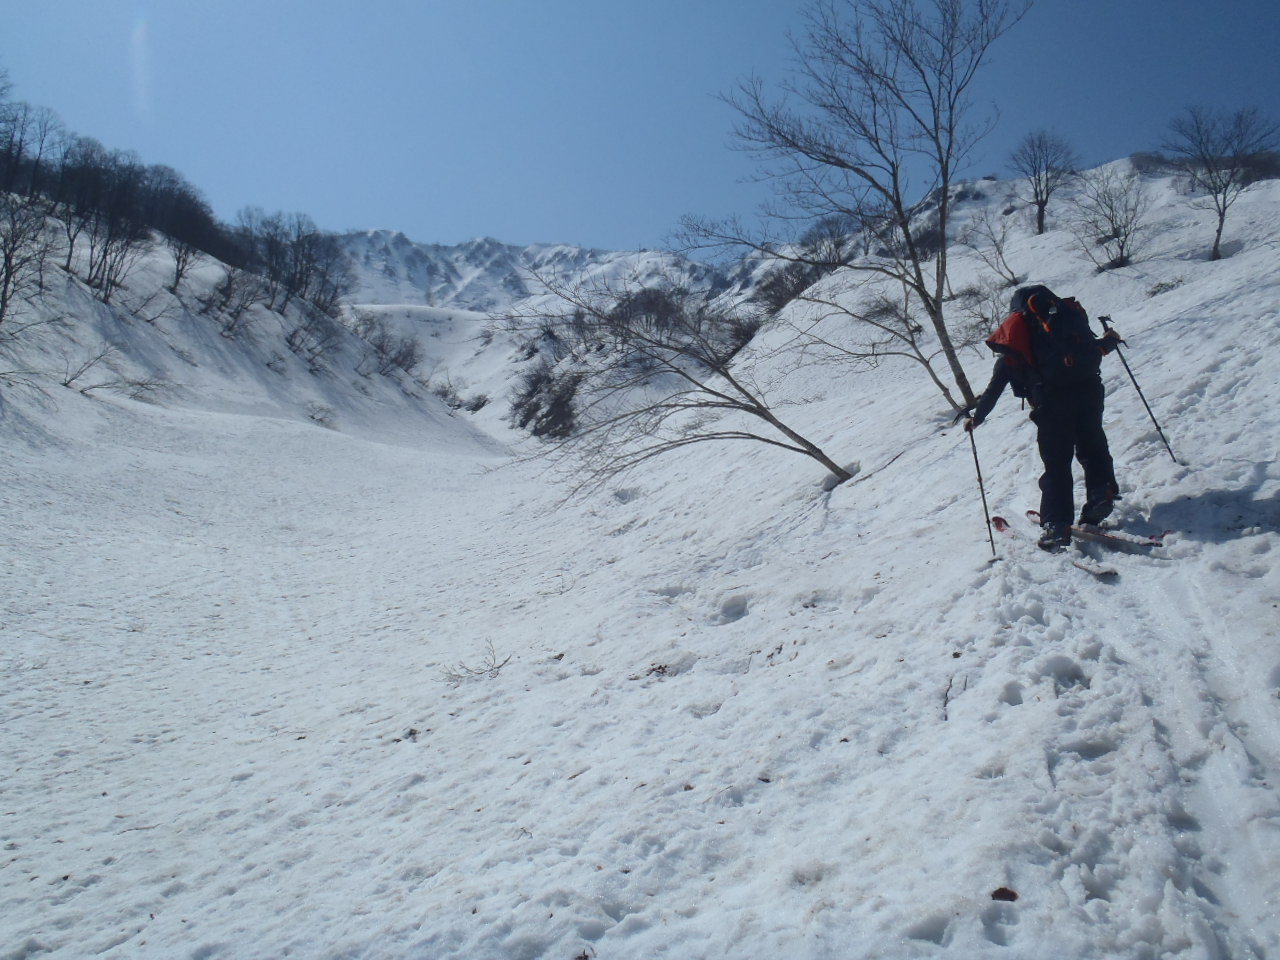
pixel 116 234
pixel 297 259
pixel 77 188
pixel 178 211
pixel 649 372
pixel 315 336
pixel 388 351
pixel 265 241
pixel 1047 161
pixel 231 299
pixel 1110 216
pixel 874 129
pixel 15 128
pixel 27 134
pixel 47 134
pixel 1214 150
pixel 26 244
pixel 319 268
pixel 184 253
pixel 989 239
pixel 96 196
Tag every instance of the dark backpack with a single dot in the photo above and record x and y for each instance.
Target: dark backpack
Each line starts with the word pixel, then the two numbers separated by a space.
pixel 1063 346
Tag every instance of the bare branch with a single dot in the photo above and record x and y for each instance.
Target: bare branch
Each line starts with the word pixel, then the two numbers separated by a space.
pixel 989 240
pixel 74 370
pixel 488 667
pixel 874 129
pixel 1110 218
pixel 640 371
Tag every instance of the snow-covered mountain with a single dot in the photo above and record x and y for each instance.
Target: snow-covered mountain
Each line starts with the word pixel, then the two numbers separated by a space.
pixel 484 275
pixel 446 298
pixel 361 684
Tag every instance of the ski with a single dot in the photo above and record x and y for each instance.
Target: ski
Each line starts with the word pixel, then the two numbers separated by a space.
pixel 1100 570
pixel 1116 538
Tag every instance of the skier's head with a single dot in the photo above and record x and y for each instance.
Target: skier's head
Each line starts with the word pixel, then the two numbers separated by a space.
pixel 1038 301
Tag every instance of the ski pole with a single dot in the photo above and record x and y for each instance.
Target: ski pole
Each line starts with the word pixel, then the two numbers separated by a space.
pixel 1106 325
pixel 983 490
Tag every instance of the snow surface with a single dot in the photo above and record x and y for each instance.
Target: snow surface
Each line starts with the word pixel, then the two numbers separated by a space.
pixel 272 689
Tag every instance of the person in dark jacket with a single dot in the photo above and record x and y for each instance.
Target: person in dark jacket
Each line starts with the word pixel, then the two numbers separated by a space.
pixel 1047 353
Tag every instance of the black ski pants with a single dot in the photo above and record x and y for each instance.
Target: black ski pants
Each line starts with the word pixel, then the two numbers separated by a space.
pixel 1069 424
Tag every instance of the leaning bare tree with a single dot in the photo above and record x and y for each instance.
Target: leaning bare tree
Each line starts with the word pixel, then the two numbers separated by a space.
pixel 1047 161
pixel 1214 150
pixel 635 372
pixel 874 129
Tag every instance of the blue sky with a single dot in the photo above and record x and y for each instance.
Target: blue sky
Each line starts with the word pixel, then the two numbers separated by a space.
pixel 592 122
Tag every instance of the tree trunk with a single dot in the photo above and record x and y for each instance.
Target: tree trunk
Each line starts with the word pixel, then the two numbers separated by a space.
pixel 812 449
pixel 1217 237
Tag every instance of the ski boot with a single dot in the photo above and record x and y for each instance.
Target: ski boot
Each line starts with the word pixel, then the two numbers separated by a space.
pixel 1054 536
pixel 1098 507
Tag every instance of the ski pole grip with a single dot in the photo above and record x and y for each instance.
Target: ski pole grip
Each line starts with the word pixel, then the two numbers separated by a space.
pixel 1106 325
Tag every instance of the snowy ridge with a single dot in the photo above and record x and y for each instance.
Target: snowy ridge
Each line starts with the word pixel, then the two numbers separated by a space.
pixel 484 275
pixel 270 689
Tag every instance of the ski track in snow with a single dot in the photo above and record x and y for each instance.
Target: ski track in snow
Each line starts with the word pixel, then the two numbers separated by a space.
pixel 248 706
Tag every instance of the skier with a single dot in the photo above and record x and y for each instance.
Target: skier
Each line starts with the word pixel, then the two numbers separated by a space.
pixel 1047 353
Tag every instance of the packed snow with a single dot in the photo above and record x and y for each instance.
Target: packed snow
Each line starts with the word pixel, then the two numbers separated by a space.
pixel 301 664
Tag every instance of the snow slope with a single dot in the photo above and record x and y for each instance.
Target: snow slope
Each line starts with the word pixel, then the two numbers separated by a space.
pixel 271 689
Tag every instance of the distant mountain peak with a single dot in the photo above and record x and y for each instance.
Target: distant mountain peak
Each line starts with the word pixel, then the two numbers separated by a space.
pixel 484 274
